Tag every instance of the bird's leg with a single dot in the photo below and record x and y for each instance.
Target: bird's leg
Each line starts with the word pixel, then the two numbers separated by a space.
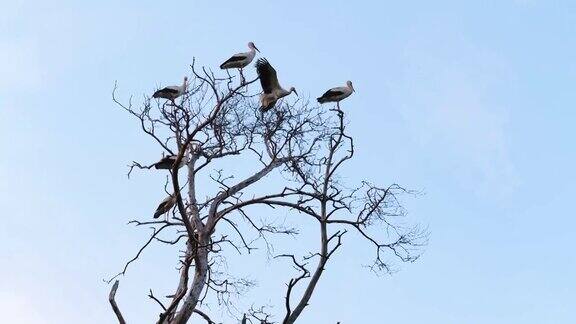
pixel 242 80
pixel 340 112
pixel 337 106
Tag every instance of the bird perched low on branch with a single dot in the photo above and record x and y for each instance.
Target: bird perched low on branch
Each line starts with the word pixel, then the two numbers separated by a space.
pixel 337 94
pixel 272 91
pixel 240 60
pixel 165 206
pixel 172 92
pixel 167 162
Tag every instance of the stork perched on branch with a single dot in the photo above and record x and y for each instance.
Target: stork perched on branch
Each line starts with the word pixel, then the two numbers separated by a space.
pixel 172 92
pixel 167 162
pixel 165 206
pixel 241 60
pixel 272 91
pixel 337 94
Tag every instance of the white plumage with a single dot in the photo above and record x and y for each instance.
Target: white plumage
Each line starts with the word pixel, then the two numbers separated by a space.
pixel 240 60
pixel 337 94
pixel 165 206
pixel 272 91
pixel 171 92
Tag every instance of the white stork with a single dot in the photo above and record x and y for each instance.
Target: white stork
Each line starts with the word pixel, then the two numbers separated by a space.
pixel 240 60
pixel 165 206
pixel 337 94
pixel 172 92
pixel 272 91
pixel 167 162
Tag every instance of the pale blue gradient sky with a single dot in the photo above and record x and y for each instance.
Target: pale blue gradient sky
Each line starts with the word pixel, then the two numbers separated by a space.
pixel 473 103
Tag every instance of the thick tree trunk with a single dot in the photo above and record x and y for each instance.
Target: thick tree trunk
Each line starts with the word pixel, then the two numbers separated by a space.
pixel 198 283
pixel 315 277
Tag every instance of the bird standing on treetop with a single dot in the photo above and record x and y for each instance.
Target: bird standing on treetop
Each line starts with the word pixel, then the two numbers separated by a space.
pixel 337 94
pixel 240 60
pixel 171 92
pixel 272 91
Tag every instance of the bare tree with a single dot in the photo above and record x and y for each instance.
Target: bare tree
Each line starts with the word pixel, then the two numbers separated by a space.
pixel 305 146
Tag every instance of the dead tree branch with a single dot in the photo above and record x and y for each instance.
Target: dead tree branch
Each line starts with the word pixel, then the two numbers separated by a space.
pixel 301 146
pixel 112 300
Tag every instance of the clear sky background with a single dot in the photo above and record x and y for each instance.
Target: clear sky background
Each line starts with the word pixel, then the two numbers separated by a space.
pixel 471 102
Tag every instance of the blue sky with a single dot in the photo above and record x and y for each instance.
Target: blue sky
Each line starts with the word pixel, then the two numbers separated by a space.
pixel 471 102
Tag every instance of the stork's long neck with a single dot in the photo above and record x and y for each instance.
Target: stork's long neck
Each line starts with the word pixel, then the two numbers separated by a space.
pixel 252 53
pixel 283 92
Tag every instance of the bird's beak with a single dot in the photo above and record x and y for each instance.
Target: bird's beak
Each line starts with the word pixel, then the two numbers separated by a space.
pixel 256 48
pixel 295 92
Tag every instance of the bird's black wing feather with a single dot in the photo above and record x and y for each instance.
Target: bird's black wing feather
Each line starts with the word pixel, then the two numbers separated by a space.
pixel 165 91
pixel 160 210
pixel 165 163
pixel 332 93
pixel 164 206
pixel 267 74
pixel 234 58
